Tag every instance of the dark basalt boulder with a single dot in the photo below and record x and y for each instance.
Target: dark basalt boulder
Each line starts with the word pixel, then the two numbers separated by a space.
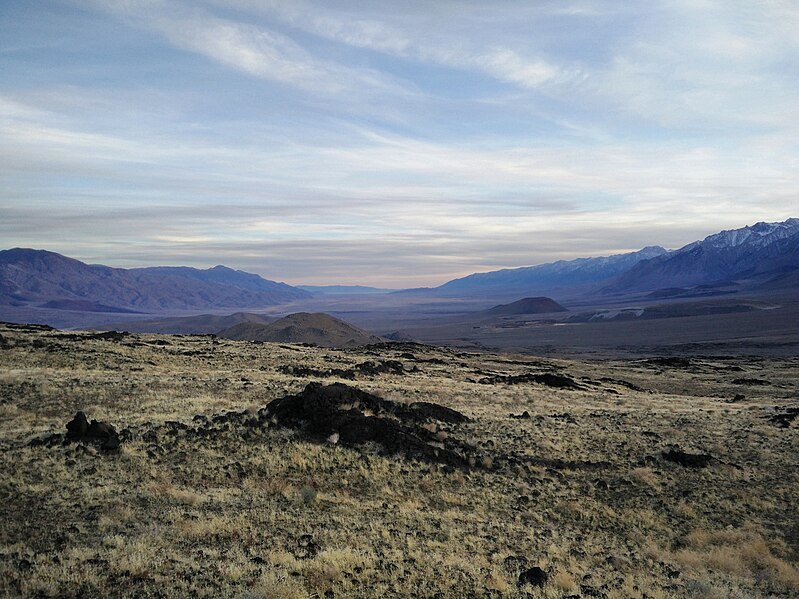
pixel 77 427
pixel 534 576
pixel 550 380
pixel 689 460
pixel 426 409
pixel 358 417
pixel 100 434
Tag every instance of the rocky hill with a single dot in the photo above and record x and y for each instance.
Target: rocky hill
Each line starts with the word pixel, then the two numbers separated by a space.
pixel 303 327
pixel 527 305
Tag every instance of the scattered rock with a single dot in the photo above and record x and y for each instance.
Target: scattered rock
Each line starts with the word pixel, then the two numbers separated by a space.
pixel 551 380
pixel 689 460
pixel 785 418
pixel 77 427
pixel 365 368
pixel 359 417
pixel 534 576
pixel 109 336
pixel 100 434
pixel 426 409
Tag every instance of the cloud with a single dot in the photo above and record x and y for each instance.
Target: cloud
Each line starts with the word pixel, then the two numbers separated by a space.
pixel 394 144
pixel 412 37
pixel 252 49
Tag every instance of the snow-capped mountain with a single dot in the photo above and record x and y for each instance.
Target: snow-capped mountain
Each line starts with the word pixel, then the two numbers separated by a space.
pixel 756 236
pixel 740 259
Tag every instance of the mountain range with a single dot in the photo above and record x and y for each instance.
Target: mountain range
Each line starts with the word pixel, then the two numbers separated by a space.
pixel 563 275
pixel 45 279
pixel 761 257
pixel 753 258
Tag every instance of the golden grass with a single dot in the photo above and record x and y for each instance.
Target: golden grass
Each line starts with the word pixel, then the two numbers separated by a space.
pixel 224 516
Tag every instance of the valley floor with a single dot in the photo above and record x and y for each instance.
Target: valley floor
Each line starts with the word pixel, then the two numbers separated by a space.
pixel 576 481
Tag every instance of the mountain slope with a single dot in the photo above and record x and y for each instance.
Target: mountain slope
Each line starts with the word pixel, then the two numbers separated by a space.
pixel 745 259
pixel 303 327
pixel 202 324
pixel 37 277
pixel 571 275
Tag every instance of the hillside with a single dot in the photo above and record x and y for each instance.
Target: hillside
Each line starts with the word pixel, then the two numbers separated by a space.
pixel 220 468
pixel 41 278
pixel 315 328
pixel 202 324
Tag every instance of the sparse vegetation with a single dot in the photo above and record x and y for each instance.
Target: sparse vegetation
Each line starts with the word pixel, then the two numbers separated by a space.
pixel 193 505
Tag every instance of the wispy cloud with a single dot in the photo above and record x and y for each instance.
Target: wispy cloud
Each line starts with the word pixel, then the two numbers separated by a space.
pixel 392 144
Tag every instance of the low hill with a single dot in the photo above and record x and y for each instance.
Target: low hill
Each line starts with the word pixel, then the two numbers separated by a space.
pixel 527 305
pixel 202 324
pixel 37 278
pixel 303 327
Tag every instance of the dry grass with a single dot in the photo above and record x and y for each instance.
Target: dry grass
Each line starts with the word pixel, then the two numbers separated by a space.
pixel 588 498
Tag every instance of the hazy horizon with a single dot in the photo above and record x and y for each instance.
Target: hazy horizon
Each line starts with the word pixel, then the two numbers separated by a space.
pixel 340 143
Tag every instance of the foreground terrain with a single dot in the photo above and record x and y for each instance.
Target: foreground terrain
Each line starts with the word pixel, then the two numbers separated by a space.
pixel 650 477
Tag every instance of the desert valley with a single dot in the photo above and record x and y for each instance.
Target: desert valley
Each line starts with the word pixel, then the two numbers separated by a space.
pixel 638 446
pixel 313 299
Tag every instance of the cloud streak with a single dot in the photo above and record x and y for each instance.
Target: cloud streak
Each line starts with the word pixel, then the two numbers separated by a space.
pixel 395 145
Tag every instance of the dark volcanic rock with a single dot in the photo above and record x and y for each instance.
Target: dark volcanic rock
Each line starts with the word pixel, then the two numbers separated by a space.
pixel 101 434
pixel 77 427
pixel 359 417
pixel 785 418
pixel 364 368
pixel 551 380
pixel 426 409
pixel 534 576
pixel 689 460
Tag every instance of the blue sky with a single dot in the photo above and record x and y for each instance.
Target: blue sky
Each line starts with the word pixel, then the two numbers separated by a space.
pixel 391 143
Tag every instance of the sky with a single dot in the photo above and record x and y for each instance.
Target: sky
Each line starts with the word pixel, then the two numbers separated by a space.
pixel 395 144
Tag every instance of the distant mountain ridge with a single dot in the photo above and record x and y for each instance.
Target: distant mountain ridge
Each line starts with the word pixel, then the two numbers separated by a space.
pixel 37 278
pixel 760 256
pixel 565 275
